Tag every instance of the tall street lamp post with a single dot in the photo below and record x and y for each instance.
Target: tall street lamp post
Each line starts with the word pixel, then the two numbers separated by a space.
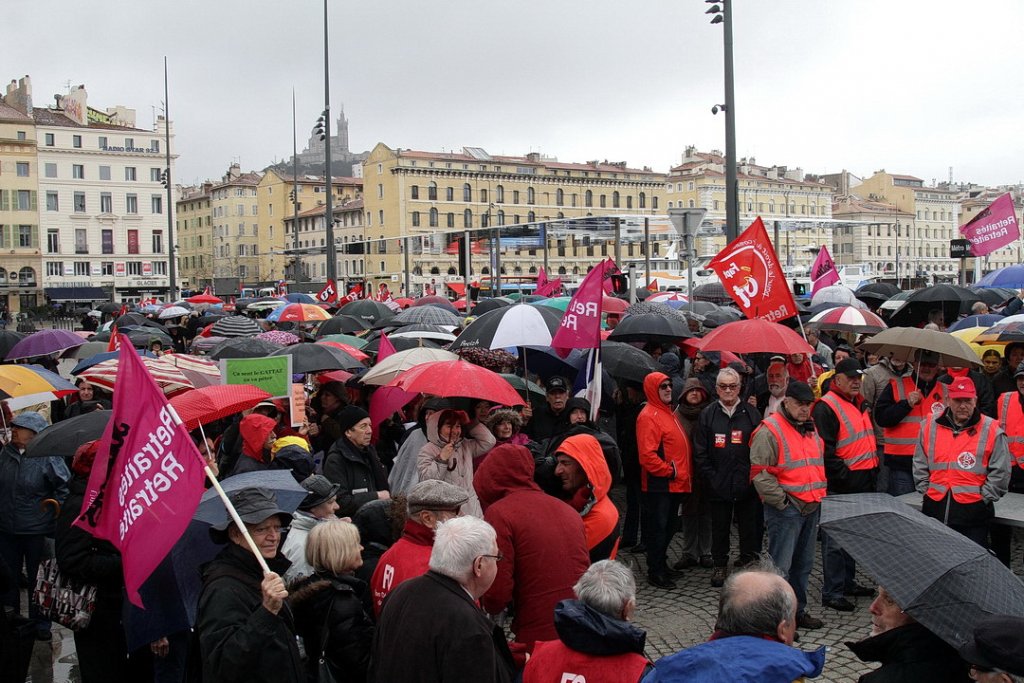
pixel 332 260
pixel 723 15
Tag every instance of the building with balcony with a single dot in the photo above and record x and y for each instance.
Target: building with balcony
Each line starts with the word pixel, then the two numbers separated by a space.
pixel 310 254
pixel 237 243
pixel 194 236
pixel 20 260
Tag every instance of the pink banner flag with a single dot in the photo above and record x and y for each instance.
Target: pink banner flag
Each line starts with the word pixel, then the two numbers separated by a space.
pixel 147 478
pixel 581 324
pixel 823 272
pixel 993 228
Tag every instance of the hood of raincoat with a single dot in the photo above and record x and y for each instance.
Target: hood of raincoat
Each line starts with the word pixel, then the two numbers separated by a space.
pixel 435 419
pixel 586 450
pixel 507 469
pixel 651 382
pixel 254 429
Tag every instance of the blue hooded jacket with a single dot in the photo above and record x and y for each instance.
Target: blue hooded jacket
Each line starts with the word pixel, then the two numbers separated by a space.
pixel 738 659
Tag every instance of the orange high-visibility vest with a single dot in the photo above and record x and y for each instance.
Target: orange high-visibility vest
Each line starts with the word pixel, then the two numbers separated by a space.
pixel 801 467
pixel 958 463
pixel 856 442
pixel 1011 421
pixel 902 439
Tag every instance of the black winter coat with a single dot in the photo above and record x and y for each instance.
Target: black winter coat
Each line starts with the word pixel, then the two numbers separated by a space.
pixel 722 460
pixel 341 603
pixel 910 654
pixel 358 472
pixel 239 640
pixel 431 630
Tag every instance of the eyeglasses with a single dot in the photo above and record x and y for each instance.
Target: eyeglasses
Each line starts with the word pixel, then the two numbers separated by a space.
pixel 981 669
pixel 497 558
pixel 666 385
pixel 730 387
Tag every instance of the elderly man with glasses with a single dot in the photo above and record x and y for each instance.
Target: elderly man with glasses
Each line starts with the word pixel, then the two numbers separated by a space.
pixel 721 454
pixel 664 452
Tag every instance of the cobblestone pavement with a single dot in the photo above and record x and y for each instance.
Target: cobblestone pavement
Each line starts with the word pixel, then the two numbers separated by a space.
pixel 674 619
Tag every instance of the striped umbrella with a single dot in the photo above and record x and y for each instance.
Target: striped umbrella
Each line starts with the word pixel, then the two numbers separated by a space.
pixel 235 326
pixel 665 297
pixel 299 313
pixel 848 319
pixel 169 378
pixel 199 371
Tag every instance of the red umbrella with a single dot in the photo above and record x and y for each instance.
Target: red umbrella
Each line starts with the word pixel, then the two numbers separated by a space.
pixel 350 350
pixel 204 405
pixel 204 299
pixel 755 336
pixel 611 304
pixel 692 346
pixel 404 301
pixel 335 376
pixel 450 378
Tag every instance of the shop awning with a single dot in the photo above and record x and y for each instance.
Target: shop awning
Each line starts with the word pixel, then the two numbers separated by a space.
pixel 457 287
pixel 76 294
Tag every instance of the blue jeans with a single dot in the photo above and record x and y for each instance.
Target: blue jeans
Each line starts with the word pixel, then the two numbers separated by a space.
pixel 900 482
pixel 791 538
pixel 838 569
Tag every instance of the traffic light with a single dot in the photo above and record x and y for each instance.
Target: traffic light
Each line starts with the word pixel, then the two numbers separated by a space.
pixel 462 257
pixel 165 177
pixel 291 196
pixel 620 283
pixel 319 128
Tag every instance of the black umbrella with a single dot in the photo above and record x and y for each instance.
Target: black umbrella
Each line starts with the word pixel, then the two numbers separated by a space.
pixel 994 296
pixel 342 324
pixel 368 310
pixel 625 361
pixel 949 299
pixel 317 357
pixel 63 438
pixel 658 308
pixel 141 336
pixel 109 307
pixel 650 327
pixel 711 291
pixel 422 315
pixel 235 326
pixel 138 320
pixel 400 344
pixel 243 347
pixel 936 575
pixel 485 305
pixel 876 292
pixel 721 317
pixel 8 338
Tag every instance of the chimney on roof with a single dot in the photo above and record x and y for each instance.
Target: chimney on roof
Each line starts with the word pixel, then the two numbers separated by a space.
pixel 533 156
pixel 19 95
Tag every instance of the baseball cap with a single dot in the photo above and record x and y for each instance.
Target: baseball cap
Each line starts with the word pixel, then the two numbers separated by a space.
pixel 800 391
pixel 963 387
pixel 556 383
pixel 1020 370
pixel 849 367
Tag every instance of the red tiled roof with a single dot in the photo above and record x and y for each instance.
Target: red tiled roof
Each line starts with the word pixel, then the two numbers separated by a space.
pixel 520 160
pixel 9 113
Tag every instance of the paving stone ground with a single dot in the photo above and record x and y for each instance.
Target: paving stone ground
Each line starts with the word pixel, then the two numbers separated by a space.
pixel 674 619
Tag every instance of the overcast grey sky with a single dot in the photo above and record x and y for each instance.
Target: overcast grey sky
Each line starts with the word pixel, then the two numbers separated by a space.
pixel 915 86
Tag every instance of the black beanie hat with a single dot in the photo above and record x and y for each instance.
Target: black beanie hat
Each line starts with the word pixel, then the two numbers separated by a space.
pixel 349 416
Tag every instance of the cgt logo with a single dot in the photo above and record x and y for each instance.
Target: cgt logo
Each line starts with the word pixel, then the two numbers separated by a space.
pixel 573 678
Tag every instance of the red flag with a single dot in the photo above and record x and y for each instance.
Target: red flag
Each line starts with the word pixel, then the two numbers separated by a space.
pixel 653 286
pixel 147 478
pixel 749 269
pixel 606 283
pixel 581 325
pixel 385 348
pixel 993 228
pixel 329 294
pixel 542 279
pixel 353 294
pixel 823 272
pixel 207 292
pixel 115 339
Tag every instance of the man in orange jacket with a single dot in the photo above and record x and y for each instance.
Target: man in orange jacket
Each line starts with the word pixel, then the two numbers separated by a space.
pixel 585 477
pixel 664 453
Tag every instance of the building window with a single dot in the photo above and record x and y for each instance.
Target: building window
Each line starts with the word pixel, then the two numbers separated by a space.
pixel 588 198
pixel 451 220
pixel 531 217
pixel 82 268
pixel 78 171
pixel 76 140
pixel 53 241
pixel 156 203
pixel 160 267
pixel 615 199
pixel 129 173
pixel 158 241
pixel 104 173
pixel 25 235
pixel 432 191
pixel 559 197
pixel 467 219
pixel 433 218
pixel 690 204
pixel 135 268
pixel 415 219
pixel 129 143
pixel 515 196
pixel 156 173
pixel 380 191
pixel 154 146
pixel 501 217
pixel 106 202
pixel 483 196
pixel 415 189
pixel 107 268
pixel 131 203
pixel 499 194
pixel 22 169
pixel 449 194
pixel 531 197
pixel 604 202
pixel 79 202
pixel 81 241
pixel 133 241
pixel 467 193
pixel 52 201
pixel 50 142
pixel 107 241
pixel 643 200
pixel 50 170
pixel 102 142
pixel 629 201
pixel 54 268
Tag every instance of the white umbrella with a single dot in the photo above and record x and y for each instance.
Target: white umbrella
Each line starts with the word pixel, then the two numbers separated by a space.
pixel 95 314
pixel 388 369
pixel 173 312
pixel 837 294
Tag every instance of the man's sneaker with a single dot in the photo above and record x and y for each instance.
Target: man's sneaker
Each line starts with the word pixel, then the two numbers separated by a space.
pixel 839 604
pixel 858 591
pixel 805 620
pixel 718 576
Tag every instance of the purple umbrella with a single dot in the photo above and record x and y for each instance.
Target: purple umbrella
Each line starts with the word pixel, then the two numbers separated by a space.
pixel 43 343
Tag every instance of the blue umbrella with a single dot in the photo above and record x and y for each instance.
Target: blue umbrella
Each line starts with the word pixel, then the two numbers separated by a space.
pixel 1010 276
pixel 100 357
pixel 299 298
pixel 986 320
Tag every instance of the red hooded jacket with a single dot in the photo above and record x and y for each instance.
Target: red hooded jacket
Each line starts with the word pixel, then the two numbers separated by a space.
pixel 542 541
pixel 601 520
pixel 661 443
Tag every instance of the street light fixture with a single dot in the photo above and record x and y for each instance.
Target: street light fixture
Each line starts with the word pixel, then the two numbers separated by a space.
pixel 722 15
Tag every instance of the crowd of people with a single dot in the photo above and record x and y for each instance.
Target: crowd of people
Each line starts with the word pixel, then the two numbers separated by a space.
pixel 463 540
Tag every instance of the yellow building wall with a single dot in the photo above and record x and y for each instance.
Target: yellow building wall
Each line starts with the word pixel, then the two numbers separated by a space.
pixel 14 256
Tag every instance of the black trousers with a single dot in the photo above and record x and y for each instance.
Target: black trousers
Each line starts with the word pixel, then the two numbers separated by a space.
pixel 749 515
pixel 662 510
